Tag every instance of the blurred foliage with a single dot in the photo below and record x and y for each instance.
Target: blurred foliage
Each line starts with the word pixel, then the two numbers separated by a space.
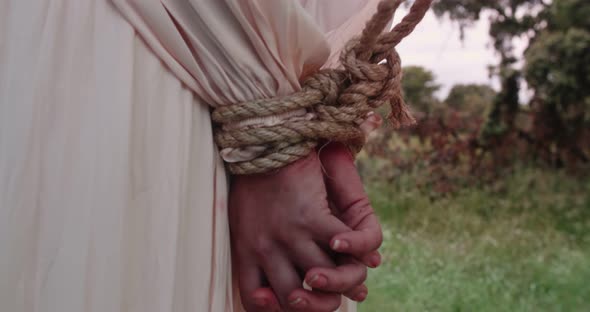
pixel 473 99
pixel 557 67
pixel 555 124
pixel 566 14
pixel 419 87
pixel 501 117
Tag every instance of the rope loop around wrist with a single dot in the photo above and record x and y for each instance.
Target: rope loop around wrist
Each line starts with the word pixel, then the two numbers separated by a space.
pixel 339 99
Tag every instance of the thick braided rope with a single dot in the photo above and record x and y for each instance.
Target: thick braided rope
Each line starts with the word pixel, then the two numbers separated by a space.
pixel 340 98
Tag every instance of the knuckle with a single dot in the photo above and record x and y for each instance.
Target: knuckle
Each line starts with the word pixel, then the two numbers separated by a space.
pixel 262 246
pixel 304 218
pixel 361 206
pixel 358 211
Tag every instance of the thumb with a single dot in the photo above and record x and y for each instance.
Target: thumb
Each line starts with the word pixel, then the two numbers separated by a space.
pixel 346 192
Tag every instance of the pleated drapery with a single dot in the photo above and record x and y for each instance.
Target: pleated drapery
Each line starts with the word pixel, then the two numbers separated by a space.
pixel 112 193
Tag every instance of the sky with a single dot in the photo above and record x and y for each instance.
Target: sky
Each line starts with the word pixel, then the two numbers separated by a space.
pixel 436 45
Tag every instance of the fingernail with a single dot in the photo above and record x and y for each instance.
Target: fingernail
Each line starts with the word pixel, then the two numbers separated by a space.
pixel 298 302
pixel 312 280
pixel 306 285
pixel 317 281
pixel 361 297
pixel 375 260
pixel 260 302
pixel 340 245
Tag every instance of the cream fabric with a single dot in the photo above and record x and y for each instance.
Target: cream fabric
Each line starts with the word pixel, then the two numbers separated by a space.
pixel 112 194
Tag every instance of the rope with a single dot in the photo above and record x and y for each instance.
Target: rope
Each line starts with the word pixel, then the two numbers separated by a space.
pixel 340 98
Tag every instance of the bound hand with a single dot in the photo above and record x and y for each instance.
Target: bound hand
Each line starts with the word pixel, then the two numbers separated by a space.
pixel 282 226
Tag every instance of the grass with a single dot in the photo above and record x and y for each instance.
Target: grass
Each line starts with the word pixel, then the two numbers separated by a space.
pixel 522 244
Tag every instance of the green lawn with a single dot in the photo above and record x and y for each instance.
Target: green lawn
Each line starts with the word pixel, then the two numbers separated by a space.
pixel 522 244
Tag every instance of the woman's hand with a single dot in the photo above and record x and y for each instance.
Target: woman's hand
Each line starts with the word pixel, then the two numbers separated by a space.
pixel 350 204
pixel 281 226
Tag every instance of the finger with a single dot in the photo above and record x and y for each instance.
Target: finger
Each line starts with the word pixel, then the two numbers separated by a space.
pixel 266 300
pixel 313 301
pixel 341 279
pixel 306 254
pixel 372 259
pixel 348 196
pixel 249 281
pixel 363 242
pixel 309 257
pixel 342 180
pixel 282 275
pixel 358 294
pixel 324 229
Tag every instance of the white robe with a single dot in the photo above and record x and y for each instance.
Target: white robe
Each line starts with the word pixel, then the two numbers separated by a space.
pixel 112 193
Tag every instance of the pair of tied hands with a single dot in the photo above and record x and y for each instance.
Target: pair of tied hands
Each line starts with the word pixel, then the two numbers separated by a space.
pixel 310 221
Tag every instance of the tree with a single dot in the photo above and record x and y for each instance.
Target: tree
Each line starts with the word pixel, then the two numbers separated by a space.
pixel 557 63
pixel 509 19
pixel 419 87
pixel 473 99
pixel 557 67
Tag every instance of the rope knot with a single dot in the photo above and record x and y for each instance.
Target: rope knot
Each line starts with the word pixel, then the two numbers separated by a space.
pixel 340 99
pixel 328 82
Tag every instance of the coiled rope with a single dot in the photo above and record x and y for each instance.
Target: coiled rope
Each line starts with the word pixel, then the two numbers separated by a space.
pixel 340 98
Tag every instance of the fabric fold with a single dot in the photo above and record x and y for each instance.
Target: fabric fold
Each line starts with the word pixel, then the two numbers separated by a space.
pixel 113 196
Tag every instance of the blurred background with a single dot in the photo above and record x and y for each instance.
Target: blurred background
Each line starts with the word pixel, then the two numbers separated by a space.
pixel 486 201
